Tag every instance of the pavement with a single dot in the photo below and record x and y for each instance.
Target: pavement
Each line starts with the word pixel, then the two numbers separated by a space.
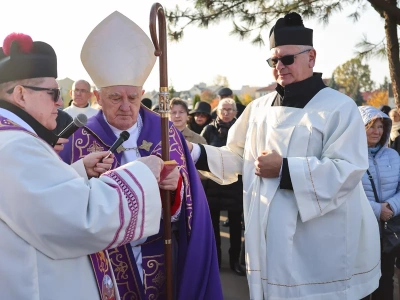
pixel 235 287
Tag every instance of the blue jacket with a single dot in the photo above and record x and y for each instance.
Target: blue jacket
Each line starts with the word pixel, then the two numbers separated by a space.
pixel 384 168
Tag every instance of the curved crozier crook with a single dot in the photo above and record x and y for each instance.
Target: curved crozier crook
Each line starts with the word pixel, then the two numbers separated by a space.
pixel 157 10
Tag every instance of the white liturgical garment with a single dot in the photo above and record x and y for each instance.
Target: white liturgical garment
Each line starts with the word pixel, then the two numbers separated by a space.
pixel 321 239
pixel 73 110
pixel 52 217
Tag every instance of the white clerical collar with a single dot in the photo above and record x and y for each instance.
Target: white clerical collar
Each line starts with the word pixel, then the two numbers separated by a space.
pixel 134 131
pixel 77 107
pixel 13 117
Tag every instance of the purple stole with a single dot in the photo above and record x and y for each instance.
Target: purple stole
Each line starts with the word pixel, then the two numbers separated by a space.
pixel 121 259
pixel 196 262
pixel 6 124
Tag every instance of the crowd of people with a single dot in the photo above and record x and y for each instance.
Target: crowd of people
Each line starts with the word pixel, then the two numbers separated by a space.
pixel 311 178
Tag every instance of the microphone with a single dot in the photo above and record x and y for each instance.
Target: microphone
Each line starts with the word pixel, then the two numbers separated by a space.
pixel 78 122
pixel 123 136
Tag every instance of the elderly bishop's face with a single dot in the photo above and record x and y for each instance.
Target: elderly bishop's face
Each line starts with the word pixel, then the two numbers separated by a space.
pixel 120 104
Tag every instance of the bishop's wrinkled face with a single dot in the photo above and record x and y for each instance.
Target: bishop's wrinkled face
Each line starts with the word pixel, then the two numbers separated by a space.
pixel 120 104
pixel 300 69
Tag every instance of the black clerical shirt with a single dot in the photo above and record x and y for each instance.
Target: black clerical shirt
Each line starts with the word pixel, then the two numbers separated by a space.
pixel 295 95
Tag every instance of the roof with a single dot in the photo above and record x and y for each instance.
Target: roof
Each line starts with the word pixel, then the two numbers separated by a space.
pixel 268 88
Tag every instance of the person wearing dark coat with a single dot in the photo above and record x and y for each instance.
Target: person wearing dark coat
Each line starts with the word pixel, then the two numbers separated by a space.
pixel 225 197
pixel 147 102
pixel 228 93
pixel 63 120
pixel 199 117
pixel 385 109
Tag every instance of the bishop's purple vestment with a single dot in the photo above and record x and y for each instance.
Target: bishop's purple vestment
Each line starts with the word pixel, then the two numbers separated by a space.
pixel 195 262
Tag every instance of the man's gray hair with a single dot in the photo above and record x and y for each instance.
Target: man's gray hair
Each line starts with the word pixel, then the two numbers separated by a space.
pixel 227 101
pixel 89 87
pixel 304 47
pixel 6 86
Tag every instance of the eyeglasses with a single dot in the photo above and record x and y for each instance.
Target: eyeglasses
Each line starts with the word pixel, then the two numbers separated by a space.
pixel 229 110
pixel 287 60
pixel 55 93
pixel 202 115
pixel 83 91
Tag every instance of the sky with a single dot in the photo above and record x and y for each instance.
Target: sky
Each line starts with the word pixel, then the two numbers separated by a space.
pixel 201 55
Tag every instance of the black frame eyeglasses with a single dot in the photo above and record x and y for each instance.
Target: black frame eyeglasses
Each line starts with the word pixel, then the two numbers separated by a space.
pixel 287 60
pixel 55 93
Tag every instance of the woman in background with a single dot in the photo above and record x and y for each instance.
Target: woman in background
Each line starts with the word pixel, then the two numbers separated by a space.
pixel 384 168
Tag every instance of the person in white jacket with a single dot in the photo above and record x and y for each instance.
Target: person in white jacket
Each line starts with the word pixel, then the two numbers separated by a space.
pixel 53 215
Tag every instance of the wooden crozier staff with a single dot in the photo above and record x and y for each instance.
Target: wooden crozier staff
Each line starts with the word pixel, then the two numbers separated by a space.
pixel 161 51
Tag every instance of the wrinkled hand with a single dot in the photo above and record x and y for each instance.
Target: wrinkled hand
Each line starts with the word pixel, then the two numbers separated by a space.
pixel 190 145
pixel 268 165
pixel 170 183
pixel 60 145
pixel 386 212
pixel 154 163
pixel 95 166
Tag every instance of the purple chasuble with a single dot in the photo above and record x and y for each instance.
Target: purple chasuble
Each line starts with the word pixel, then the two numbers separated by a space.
pixel 195 263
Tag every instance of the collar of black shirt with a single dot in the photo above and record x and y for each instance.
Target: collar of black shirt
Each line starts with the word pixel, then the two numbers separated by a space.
pixel 39 129
pixel 298 94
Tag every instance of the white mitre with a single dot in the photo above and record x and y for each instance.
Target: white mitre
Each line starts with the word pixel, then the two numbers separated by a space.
pixel 118 52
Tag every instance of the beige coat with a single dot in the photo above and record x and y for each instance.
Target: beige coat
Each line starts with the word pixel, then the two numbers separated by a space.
pixel 193 137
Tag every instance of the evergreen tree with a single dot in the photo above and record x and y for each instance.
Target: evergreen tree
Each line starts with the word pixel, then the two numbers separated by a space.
pixel 171 91
pixel 196 99
pixel 332 83
pixel 237 100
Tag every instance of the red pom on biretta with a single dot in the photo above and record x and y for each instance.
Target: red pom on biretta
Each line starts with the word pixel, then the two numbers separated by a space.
pixel 25 42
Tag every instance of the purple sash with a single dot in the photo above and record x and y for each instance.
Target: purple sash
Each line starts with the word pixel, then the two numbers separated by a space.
pixel 6 124
pixel 121 259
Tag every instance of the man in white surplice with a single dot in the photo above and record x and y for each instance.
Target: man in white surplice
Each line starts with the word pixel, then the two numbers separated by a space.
pixel 51 215
pixel 310 233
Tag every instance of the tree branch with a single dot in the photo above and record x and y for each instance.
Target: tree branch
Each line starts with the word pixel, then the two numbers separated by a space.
pixel 383 6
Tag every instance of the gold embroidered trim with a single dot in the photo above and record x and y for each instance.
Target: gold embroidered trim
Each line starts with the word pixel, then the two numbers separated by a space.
pixel 312 182
pixel 312 283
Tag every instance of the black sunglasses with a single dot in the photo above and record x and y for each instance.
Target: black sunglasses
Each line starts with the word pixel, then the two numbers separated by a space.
pixel 287 60
pixel 55 93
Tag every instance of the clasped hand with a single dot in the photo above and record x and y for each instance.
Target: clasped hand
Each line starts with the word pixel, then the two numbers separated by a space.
pixel 268 164
pixel 386 212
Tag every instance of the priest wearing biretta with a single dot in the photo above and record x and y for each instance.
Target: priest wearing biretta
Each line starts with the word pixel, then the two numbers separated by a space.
pixel 119 56
pixel 310 233
pixel 53 215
